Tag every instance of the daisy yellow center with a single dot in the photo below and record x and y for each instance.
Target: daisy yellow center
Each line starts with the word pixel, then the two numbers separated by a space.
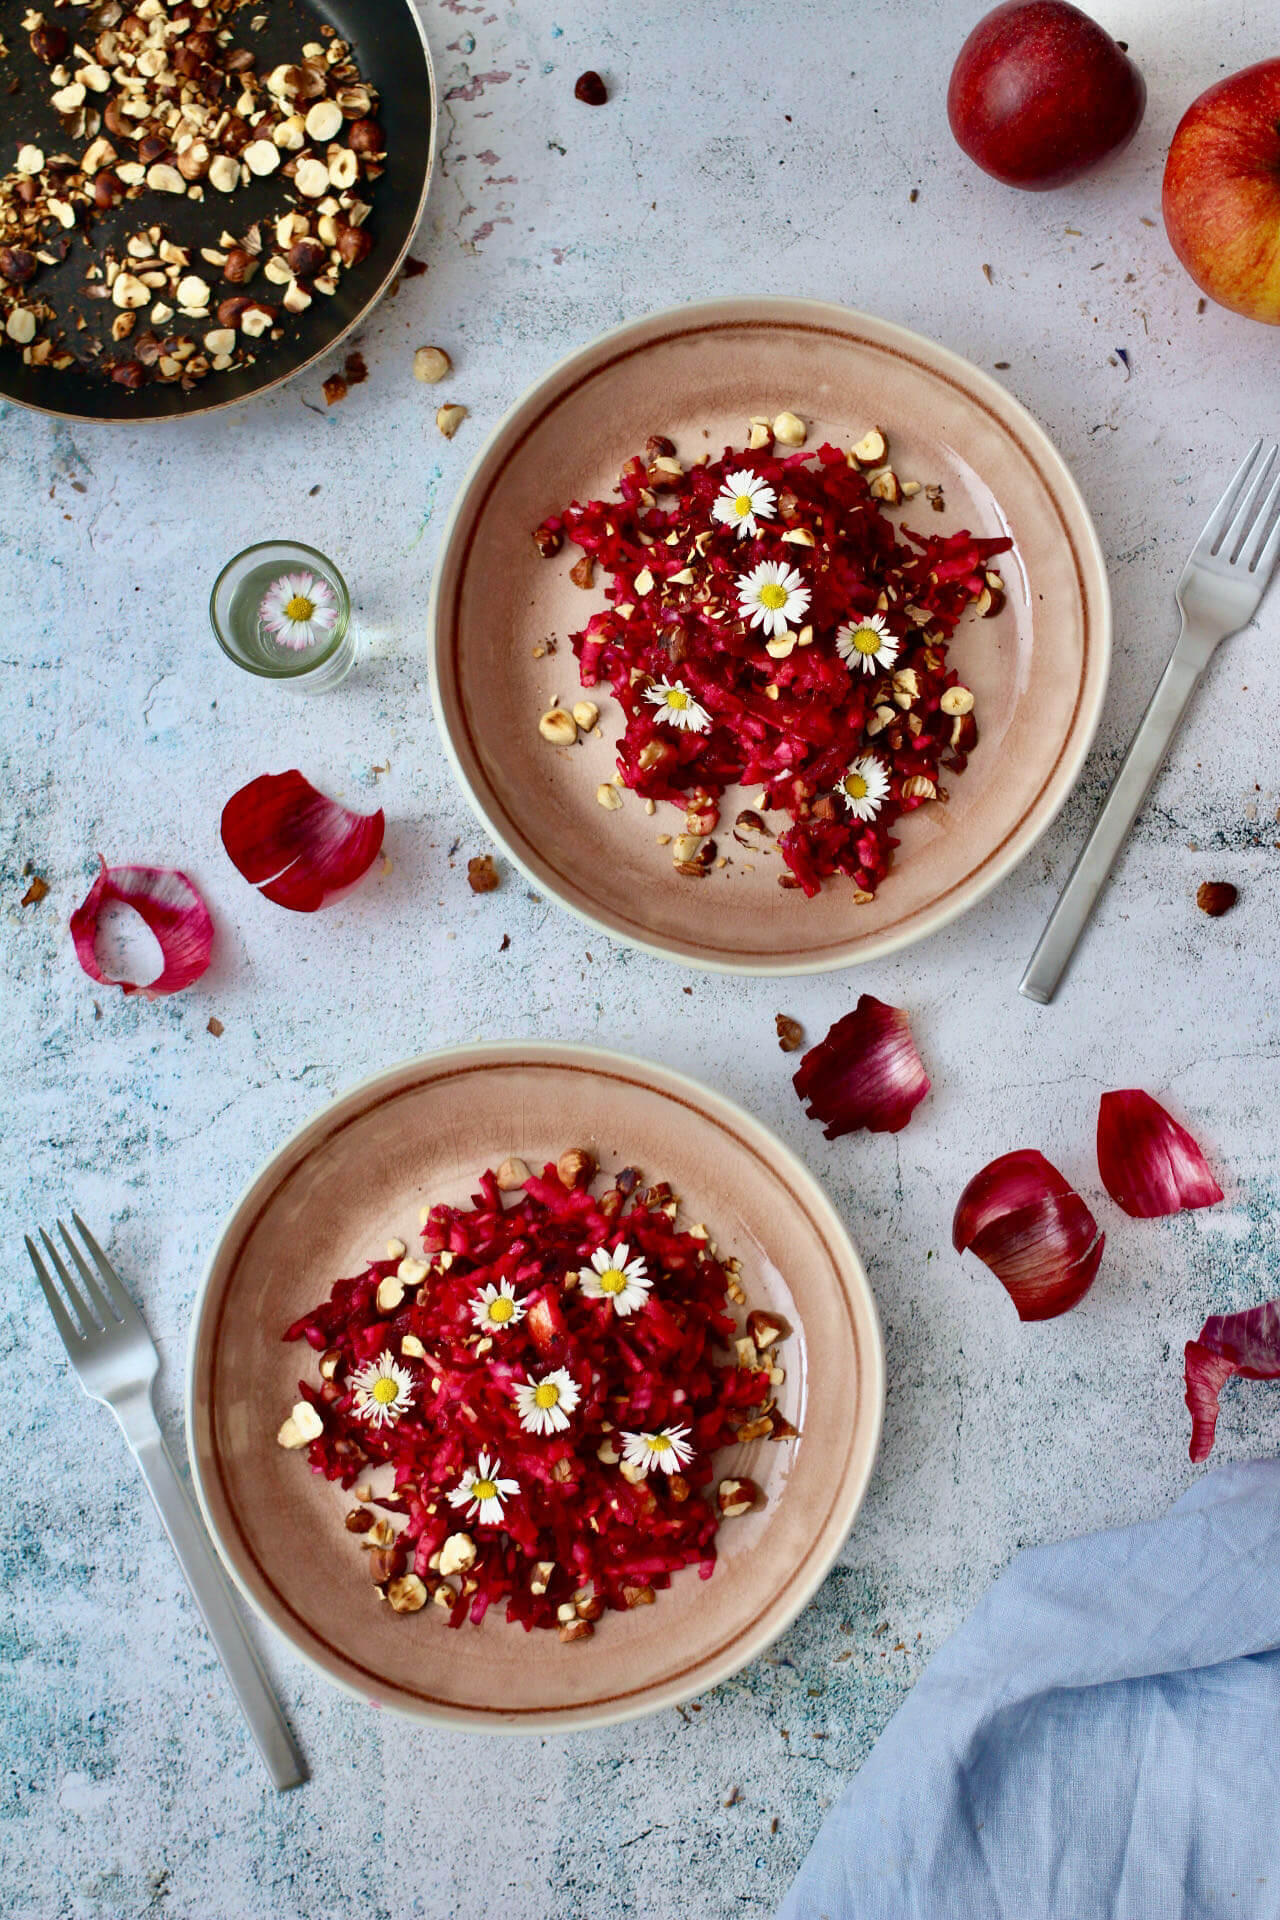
pixel 659 1443
pixel 743 505
pixel 299 608
pixel 612 1280
pixel 678 699
pixel 773 595
pixel 855 786
pixel 485 1489
pixel 385 1390
pixel 866 640
pixel 546 1394
pixel 501 1310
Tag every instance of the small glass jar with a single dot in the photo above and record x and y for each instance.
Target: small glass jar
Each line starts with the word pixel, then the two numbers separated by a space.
pixel 236 615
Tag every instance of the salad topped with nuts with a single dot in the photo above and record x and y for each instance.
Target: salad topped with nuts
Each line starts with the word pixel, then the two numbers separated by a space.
pixel 188 193
pixel 768 626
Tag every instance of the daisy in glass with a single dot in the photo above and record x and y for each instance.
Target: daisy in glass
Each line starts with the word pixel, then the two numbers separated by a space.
pixel 544 1405
pixel 743 500
pixel 618 1278
pixel 299 610
pixel 666 1451
pixel 773 596
pixel 383 1390
pixel 497 1307
pixel 482 1491
pixel 867 643
pixel 865 787
pixel 678 705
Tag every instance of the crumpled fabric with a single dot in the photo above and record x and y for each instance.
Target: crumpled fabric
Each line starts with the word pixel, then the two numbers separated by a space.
pixel 1100 1738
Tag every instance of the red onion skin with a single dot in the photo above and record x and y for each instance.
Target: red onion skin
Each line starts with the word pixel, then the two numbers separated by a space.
pixel 1027 1223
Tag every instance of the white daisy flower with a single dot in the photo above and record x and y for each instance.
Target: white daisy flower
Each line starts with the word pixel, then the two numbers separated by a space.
pixel 773 596
pixel 678 705
pixel 864 788
pixel 616 1277
pixel 544 1405
pixel 743 500
pixel 299 610
pixel 383 1390
pixel 482 1491
pixel 867 643
pixel 666 1451
pixel 497 1307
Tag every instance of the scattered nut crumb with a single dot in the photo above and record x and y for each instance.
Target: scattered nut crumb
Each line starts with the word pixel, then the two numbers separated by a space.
pixel 36 892
pixel 449 419
pixel 431 364
pixel 590 89
pixel 790 1033
pixel 1215 897
pixel 511 1175
pixel 356 370
pixel 558 726
pixel 215 1027
pixel 482 874
pixel 334 389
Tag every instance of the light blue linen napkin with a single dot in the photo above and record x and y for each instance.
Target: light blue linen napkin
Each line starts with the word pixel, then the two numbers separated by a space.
pixel 1099 1741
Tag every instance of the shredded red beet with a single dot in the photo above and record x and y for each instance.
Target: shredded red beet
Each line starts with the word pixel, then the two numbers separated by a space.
pixel 578 1533
pixel 793 722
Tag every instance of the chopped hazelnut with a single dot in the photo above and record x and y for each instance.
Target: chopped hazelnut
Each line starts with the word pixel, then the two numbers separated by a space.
pixel 449 419
pixel 458 1553
pixel 790 429
pixel 559 727
pixel 431 364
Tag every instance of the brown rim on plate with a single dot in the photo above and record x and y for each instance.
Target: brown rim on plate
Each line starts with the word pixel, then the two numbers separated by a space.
pixel 1040 670
pixel 359 1170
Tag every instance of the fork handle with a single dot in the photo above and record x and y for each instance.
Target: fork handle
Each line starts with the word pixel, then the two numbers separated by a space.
pixel 1111 829
pixel 212 1592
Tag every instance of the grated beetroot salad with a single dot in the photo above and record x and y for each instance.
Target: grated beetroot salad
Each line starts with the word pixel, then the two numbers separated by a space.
pixel 841 746
pixel 550 1383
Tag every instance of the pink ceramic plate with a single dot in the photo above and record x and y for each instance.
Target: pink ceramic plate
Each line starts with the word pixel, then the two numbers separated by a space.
pixel 358 1174
pixel 1039 670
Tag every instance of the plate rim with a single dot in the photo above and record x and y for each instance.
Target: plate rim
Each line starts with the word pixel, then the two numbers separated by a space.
pixel 706 1100
pixel 859 950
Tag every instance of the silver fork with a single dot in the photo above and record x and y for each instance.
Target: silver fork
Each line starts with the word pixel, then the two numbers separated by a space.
pixel 1219 592
pixel 116 1360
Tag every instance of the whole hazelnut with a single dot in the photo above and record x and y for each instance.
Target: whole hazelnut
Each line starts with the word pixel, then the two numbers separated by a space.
pixel 354 245
pixel 108 189
pixel 17 265
pixel 131 374
pixel 230 311
pixel 366 136
pixel 590 89
pixel 307 257
pixel 239 266
pixel 49 42
pixel 1215 897
pixel 387 1563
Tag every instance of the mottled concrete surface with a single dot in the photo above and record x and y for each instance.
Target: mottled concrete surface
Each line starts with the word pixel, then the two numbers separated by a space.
pixel 743 149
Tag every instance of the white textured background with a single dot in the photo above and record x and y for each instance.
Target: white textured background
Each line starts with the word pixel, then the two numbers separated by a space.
pixel 744 148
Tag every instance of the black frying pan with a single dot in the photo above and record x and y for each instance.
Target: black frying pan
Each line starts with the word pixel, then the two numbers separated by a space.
pixel 391 52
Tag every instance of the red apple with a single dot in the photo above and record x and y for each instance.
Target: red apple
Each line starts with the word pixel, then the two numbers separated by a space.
pixel 1222 191
pixel 1040 93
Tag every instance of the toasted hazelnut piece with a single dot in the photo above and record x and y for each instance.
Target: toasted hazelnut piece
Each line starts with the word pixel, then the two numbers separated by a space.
pixel 431 364
pixel 871 450
pixel 910 488
pixel 330 1363
pixel 607 1454
pixel 411 1347
pixel 734 1497
pixel 790 429
pixel 30 160
pixel 344 169
pixel 780 648
pixel 588 1606
pixel 325 120
pixel 411 1272
pixel 408 1594
pixel 576 1167
pixel 387 1563
pixel 608 797
pixel 21 326
pixel 1215 897
pixel 919 787
pixel 906 687
pixel 303 1425
pixel 389 1295
pixel 296 298
pixel 685 846
pixel 68 98
pixel 586 713
pixel 224 173
pixel 396 1249
pixel 991 599
pixel 262 157
pixel 643 582
pixel 634 1475
pixel 255 320
pixel 444 1595
pixel 799 537
pixel 638 1596
pixel 291 134
pixel 765 1328
pixel 761 435
pixel 312 179
pixel 358 1520
pixel 879 720
pixel 964 733
pixel 511 1175
pixel 756 1429
pixel 575 1630
pixel 887 486
pixel 746 1352
pixel 957 699
pixel 449 419
pixel 678 1487
pixel 458 1553
pixel 540 1579
pixel 193 291
pixel 558 726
